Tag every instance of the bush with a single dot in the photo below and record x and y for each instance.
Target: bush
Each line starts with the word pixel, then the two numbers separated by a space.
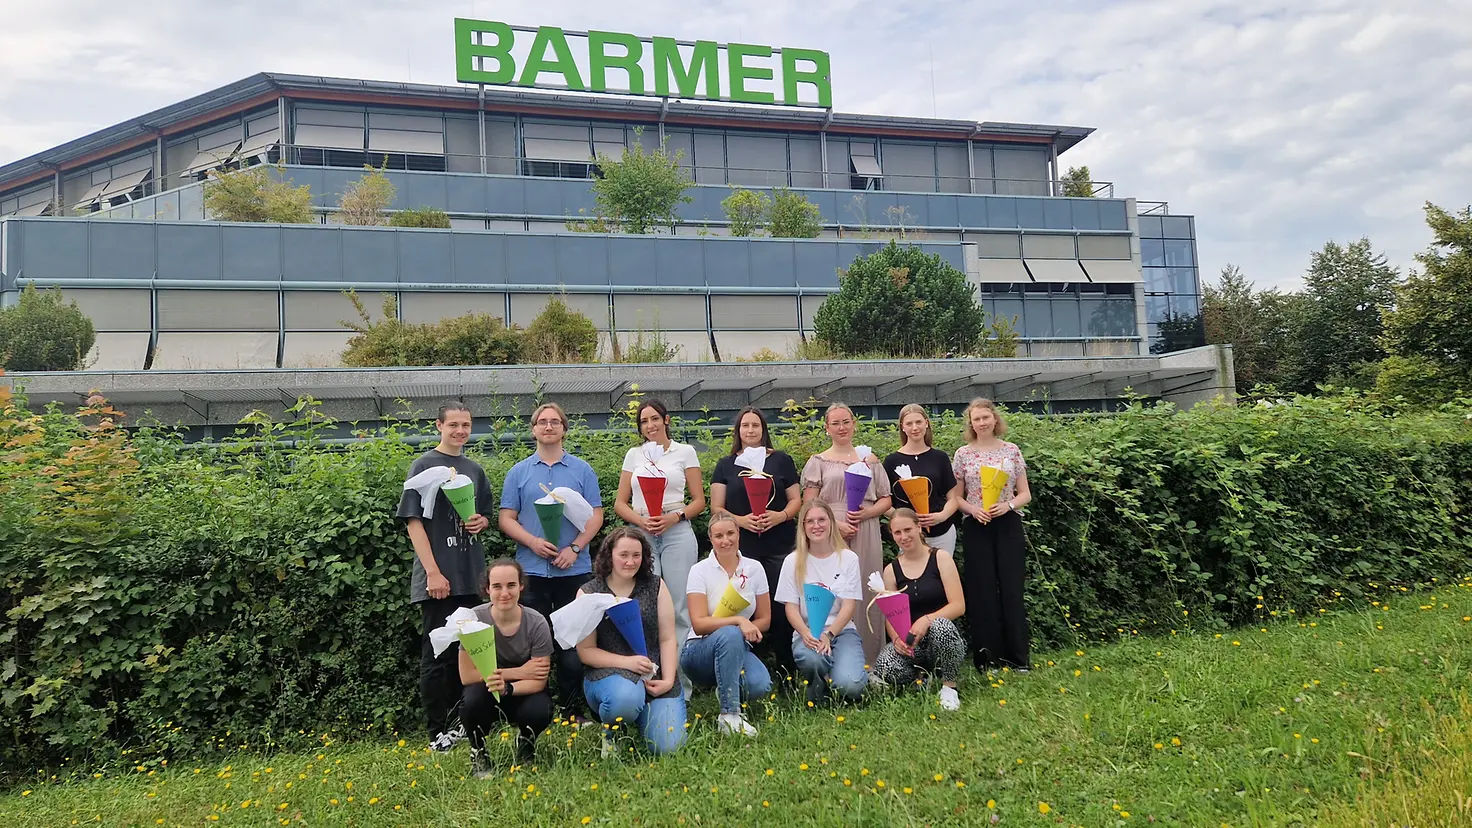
pixel 639 191
pixel 746 211
pixel 421 217
pixel 792 216
pixel 159 597
pixel 646 347
pixel 472 339
pixel 44 332
pixel 904 303
pixel 254 195
pixel 559 336
pixel 365 202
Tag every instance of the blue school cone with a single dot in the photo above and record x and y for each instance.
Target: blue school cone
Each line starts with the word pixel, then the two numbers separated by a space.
pixel 819 602
pixel 630 624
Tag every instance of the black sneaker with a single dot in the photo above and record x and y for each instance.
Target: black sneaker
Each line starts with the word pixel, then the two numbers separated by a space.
pixel 446 741
pixel 526 752
pixel 480 764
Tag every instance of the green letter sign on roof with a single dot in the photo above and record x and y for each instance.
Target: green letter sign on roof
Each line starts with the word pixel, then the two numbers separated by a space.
pixel 680 69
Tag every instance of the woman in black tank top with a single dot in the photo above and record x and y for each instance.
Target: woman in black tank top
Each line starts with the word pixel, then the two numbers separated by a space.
pixel 933 643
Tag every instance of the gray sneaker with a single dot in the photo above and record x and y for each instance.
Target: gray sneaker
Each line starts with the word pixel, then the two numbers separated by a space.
pixel 445 742
pixel 480 764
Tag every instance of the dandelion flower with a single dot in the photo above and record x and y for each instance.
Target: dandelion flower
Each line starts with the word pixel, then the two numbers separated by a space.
pixel 587 819
pixel 1044 807
pixel 939 777
pixel 991 803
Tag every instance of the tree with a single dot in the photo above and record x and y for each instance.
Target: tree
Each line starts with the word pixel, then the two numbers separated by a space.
pixel 255 195
pixel 1259 325
pixel 472 339
pixel 1432 316
pixel 791 216
pixel 1078 182
pixel 559 336
pixel 746 210
pixel 421 217
pixel 638 192
pixel 365 202
pixel 900 302
pixel 44 332
pixel 1346 289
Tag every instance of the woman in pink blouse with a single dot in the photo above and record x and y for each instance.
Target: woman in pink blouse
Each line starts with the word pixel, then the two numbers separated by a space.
pixel 992 542
pixel 822 479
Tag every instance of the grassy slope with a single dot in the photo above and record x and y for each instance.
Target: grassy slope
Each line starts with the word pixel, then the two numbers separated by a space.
pixel 1275 727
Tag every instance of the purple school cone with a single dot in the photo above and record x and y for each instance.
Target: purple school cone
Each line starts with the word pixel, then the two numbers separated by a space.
pixel 855 486
pixel 819 602
pixel 896 609
pixel 627 620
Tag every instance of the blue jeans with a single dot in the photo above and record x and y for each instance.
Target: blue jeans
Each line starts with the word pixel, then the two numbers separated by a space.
pixel 722 659
pixel 675 551
pixel 844 669
pixel 660 721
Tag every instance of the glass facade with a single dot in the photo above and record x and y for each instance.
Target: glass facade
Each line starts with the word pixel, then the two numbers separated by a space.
pixel 1172 282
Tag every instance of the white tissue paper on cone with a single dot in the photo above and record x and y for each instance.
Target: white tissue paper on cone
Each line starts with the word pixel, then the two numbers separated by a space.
pixel 575 507
pixel 428 484
pixel 876 584
pixel 462 620
pixel 753 458
pixel 652 453
pixel 903 473
pixel 578 619
pixel 860 468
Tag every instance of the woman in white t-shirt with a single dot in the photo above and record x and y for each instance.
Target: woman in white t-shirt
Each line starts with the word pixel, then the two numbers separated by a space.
pixel 667 523
pixel 718 653
pixel 836 654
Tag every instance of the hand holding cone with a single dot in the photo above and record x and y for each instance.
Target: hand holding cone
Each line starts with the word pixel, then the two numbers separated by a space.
pixel 993 481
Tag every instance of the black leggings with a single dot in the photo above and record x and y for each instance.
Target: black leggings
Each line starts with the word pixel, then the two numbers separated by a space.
pixel 546 595
pixel 439 678
pixel 481 712
pixel 994 569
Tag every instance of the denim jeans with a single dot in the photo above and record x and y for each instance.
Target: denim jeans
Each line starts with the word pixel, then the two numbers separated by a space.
pixel 675 551
pixel 844 669
pixel 722 659
pixel 660 721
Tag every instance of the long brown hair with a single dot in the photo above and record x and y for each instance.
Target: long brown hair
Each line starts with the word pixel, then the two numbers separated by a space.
pixel 736 428
pixel 915 408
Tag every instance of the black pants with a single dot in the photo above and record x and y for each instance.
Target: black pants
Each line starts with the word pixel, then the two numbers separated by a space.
pixel 776 646
pixel 481 713
pixel 439 678
pixel 995 568
pixel 546 595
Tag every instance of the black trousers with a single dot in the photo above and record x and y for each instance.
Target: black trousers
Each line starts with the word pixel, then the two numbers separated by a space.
pixel 481 713
pixel 439 678
pixel 776 646
pixel 994 569
pixel 546 595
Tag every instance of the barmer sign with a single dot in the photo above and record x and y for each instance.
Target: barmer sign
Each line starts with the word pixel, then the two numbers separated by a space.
pixel 488 52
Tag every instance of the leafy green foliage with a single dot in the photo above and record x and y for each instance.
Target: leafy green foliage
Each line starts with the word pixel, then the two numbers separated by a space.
pixel 1338 328
pixel 559 336
pixel 471 339
pixel 746 210
pixel 163 597
pixel 638 192
pixel 792 216
pixel 431 217
pixel 1078 182
pixel 365 202
pixel 44 332
pixel 1259 326
pixel 1432 318
pixel 901 301
pixel 644 347
pixel 254 194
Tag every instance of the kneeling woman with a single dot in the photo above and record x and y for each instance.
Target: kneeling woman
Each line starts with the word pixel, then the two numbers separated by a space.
pixel 718 651
pixel 523 658
pixel 620 685
pixel 933 643
pixel 836 655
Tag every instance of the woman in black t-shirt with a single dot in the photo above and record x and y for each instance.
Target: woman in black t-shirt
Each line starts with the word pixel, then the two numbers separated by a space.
pixel 933 643
pixel 770 538
pixel 932 464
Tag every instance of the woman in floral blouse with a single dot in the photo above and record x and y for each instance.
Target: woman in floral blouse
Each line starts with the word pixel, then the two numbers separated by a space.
pixel 992 543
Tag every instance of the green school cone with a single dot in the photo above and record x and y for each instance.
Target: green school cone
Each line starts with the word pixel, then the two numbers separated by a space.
pixel 461 493
pixel 481 646
pixel 550 515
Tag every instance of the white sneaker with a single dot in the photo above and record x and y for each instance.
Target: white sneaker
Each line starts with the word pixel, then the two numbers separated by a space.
pixel 735 725
pixel 445 742
pixel 949 699
pixel 605 746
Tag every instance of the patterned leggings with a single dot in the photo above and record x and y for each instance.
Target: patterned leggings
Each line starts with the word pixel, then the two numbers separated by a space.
pixel 942 651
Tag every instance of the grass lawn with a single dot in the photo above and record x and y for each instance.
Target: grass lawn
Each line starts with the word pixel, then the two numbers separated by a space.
pixel 1358 716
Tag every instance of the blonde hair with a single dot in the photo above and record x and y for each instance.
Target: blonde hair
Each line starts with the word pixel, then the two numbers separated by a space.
pixel 800 563
pixel 913 517
pixel 916 408
pixel 838 406
pixel 999 430
pixel 561 415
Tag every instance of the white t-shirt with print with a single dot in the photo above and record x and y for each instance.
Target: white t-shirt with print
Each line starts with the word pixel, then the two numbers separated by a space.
pixel 677 458
pixel 708 578
pixel 838 572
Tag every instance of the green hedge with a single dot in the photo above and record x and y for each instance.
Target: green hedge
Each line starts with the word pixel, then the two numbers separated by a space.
pixel 178 599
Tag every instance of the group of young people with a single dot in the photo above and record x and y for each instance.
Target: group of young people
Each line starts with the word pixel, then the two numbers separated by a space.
pixel 807 534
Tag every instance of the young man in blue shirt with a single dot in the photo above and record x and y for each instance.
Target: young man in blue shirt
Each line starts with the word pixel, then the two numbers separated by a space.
pixel 553 573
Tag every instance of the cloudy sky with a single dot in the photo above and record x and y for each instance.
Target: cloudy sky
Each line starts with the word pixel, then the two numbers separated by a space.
pixel 1281 125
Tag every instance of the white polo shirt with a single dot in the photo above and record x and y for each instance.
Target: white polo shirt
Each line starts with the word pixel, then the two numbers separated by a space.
pixel 708 578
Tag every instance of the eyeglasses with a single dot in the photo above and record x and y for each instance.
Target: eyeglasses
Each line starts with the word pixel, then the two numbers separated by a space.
pixel 547 423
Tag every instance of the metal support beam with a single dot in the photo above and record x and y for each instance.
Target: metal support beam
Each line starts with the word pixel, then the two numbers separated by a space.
pixel 1201 376
pixel 197 405
pixel 755 392
pixel 945 389
pixel 821 392
pixel 688 392
pixel 1072 383
pixel 886 389
pixel 618 391
pixel 1018 384
pixel 1115 387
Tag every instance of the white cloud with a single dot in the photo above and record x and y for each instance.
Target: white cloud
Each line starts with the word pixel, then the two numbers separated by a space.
pixel 1280 125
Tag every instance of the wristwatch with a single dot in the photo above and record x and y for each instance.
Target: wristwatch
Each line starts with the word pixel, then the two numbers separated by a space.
pixel 576 550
